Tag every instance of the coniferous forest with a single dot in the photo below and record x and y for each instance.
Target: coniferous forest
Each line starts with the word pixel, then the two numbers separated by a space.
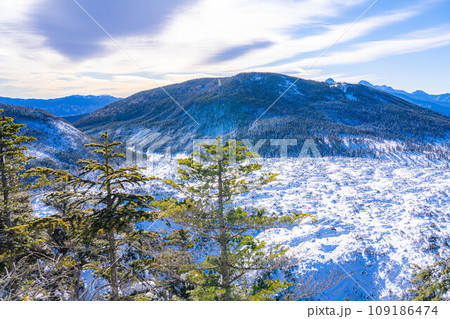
pixel 92 249
pixel 98 244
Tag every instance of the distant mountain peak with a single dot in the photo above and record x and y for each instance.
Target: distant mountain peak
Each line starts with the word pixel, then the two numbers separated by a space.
pixel 420 92
pixel 65 106
pixel 437 103
pixel 382 87
pixel 331 81
pixel 365 83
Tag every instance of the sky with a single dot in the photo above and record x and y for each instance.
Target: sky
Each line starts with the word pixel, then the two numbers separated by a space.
pixel 54 48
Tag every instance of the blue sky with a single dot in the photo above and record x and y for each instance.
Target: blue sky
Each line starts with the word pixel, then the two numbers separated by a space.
pixel 52 48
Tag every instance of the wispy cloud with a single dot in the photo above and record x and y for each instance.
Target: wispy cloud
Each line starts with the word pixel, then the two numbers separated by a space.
pixel 238 51
pixel 69 31
pixel 372 50
pixel 292 48
pixel 49 45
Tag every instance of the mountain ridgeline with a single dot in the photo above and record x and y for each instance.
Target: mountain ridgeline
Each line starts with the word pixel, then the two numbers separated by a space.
pixel 68 106
pixel 438 103
pixel 58 144
pixel 340 118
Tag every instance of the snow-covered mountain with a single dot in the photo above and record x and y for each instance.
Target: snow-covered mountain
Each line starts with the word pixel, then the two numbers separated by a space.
pixel 58 144
pixel 242 107
pixel 376 216
pixel 437 103
pixel 66 106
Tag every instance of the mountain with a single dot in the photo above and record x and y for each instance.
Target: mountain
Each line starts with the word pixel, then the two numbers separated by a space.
pixel 73 118
pixel 65 106
pixel 335 115
pixel 437 103
pixel 58 144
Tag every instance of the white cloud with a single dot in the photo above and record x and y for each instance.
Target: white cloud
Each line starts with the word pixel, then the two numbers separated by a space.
pixel 183 49
pixel 199 33
pixel 373 50
pixel 288 48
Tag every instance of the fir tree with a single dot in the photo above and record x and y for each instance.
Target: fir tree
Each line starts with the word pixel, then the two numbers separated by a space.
pixel 211 180
pixel 14 202
pixel 65 229
pixel 114 210
pixel 20 250
pixel 431 283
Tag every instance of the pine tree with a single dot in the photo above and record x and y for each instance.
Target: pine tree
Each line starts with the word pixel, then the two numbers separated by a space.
pixel 18 249
pixel 114 210
pixel 70 249
pixel 431 283
pixel 211 180
pixel 14 203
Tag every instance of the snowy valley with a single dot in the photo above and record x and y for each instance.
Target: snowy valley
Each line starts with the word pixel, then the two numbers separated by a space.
pixel 376 218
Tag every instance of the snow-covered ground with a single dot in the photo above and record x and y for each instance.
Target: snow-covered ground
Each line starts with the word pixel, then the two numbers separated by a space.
pixel 376 218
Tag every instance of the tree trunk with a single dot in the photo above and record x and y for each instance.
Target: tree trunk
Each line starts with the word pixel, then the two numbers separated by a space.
pixel 112 249
pixel 113 261
pixel 224 268
pixel 6 215
pixel 6 239
pixel 78 278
